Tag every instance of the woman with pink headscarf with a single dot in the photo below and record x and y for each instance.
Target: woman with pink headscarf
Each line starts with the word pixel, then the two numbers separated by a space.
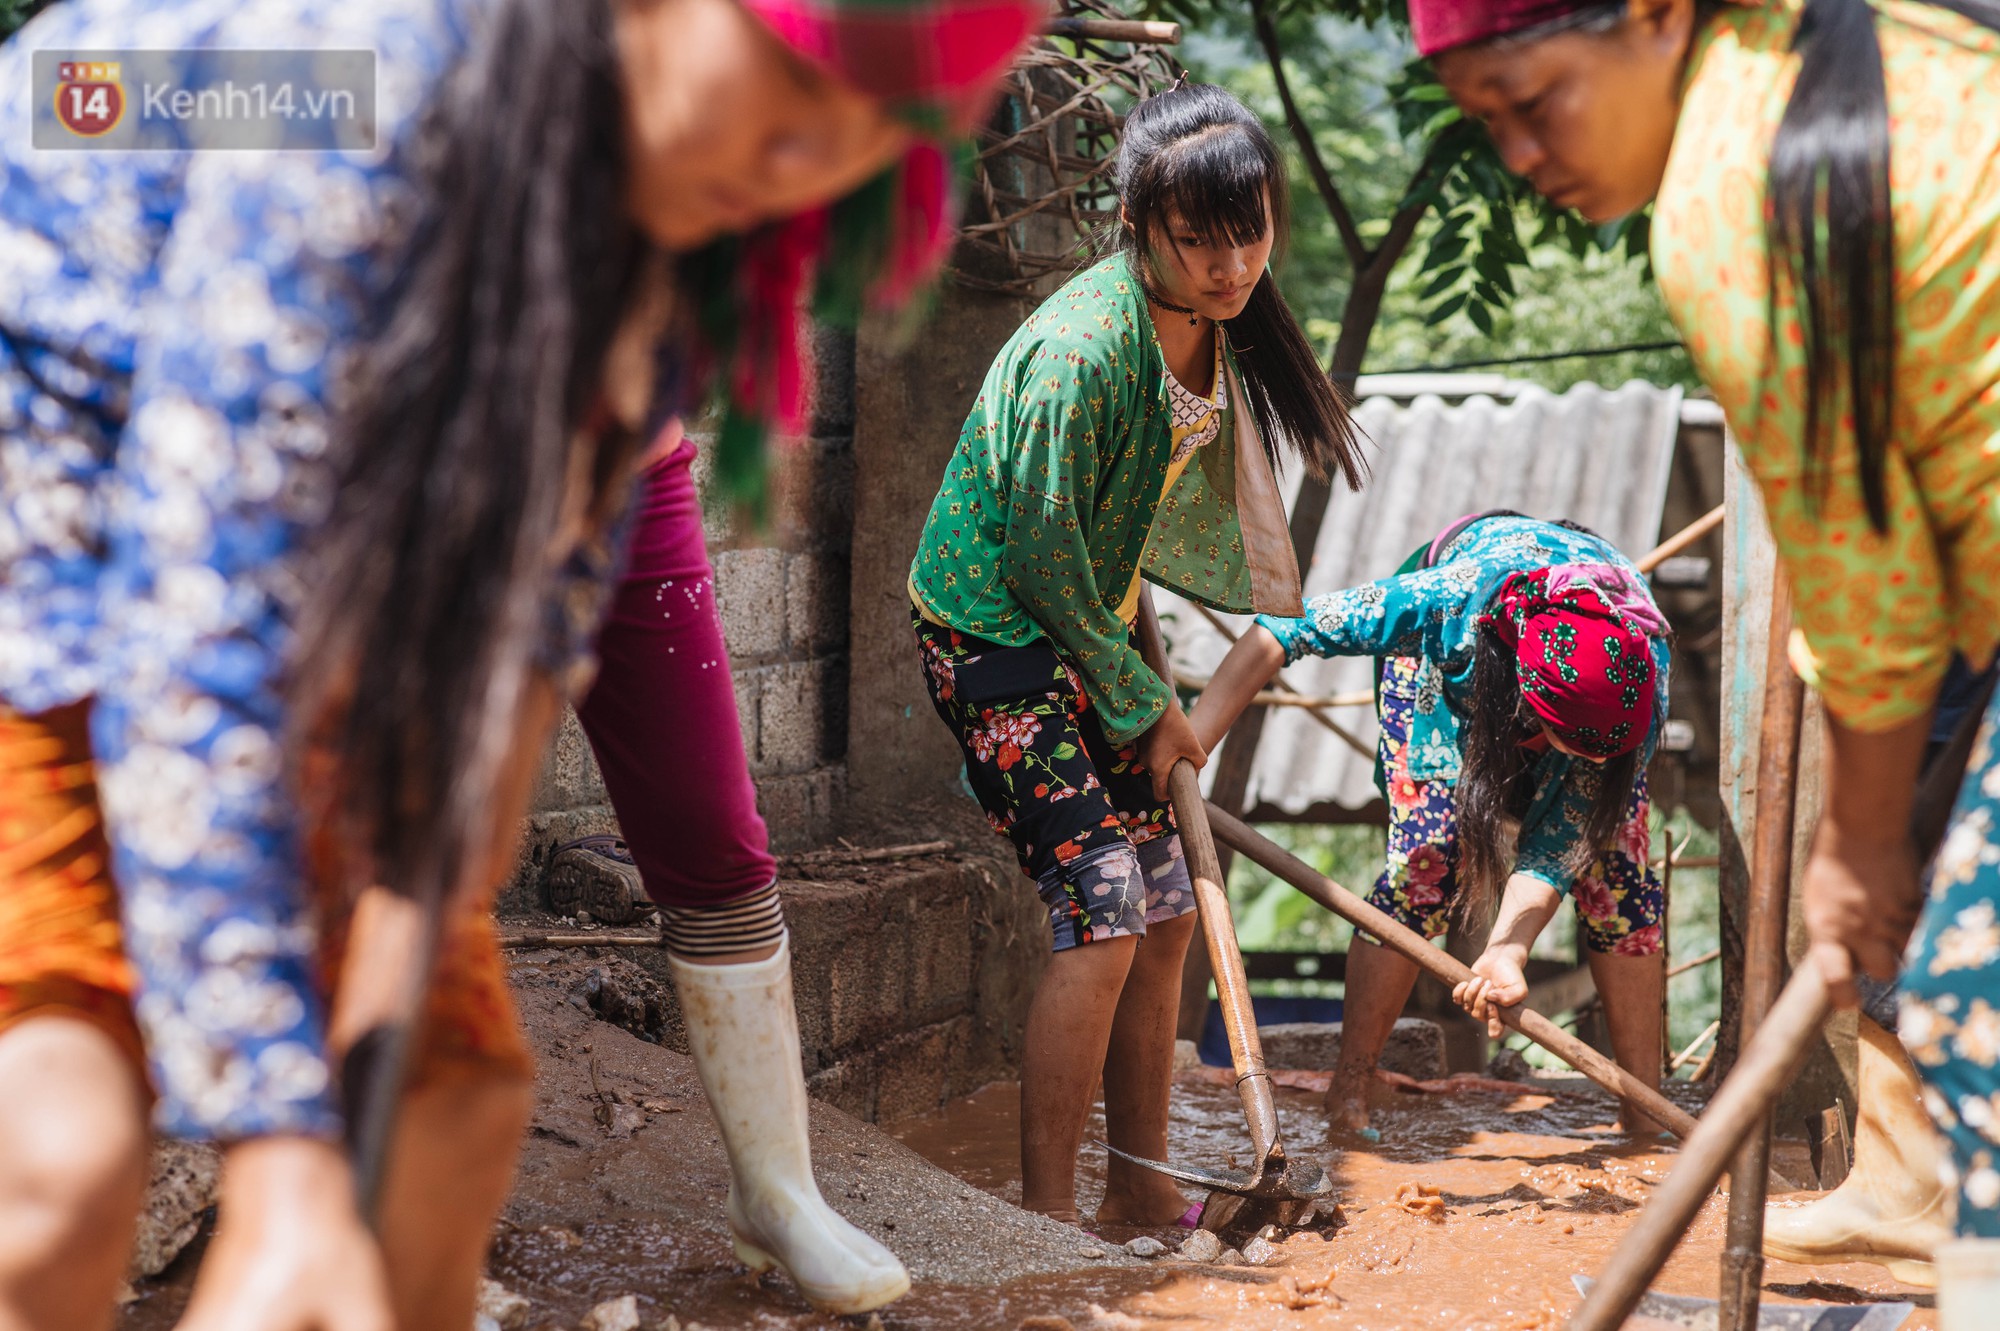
pixel 1523 681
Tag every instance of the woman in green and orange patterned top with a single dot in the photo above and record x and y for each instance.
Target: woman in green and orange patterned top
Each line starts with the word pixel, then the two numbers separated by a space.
pixel 1827 235
pixel 1117 437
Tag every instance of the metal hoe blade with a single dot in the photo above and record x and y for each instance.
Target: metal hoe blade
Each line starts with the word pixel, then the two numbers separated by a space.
pixel 1294 1181
pixel 1678 1310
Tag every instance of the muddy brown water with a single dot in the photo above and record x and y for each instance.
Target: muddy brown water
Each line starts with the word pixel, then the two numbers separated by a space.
pixel 1471 1214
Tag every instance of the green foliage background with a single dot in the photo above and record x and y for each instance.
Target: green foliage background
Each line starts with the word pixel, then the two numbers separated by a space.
pixel 13 13
pixel 1492 272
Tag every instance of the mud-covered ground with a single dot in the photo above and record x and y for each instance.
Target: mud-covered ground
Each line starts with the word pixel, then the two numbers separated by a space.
pixel 1474 1210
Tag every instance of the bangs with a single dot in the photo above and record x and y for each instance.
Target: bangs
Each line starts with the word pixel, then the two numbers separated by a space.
pixel 1219 183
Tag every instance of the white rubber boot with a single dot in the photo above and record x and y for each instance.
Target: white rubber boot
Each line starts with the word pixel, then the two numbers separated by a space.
pixel 1968 1291
pixel 744 1034
pixel 1894 1208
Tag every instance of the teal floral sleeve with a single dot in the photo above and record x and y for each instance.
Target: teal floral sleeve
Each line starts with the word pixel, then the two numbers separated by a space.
pixel 1407 615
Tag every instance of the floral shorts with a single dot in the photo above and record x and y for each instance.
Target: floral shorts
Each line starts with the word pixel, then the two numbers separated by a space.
pixel 1950 1018
pixel 1619 904
pixel 1080 810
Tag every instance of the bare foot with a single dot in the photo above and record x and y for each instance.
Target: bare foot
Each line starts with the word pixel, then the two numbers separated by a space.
pixel 1150 1204
pixel 1347 1101
pixel 1635 1122
pixel 1066 1214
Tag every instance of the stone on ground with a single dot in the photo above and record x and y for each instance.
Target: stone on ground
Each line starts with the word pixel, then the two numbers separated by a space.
pixel 1415 1047
pixel 507 1310
pixel 181 1188
pixel 1201 1246
pixel 619 1314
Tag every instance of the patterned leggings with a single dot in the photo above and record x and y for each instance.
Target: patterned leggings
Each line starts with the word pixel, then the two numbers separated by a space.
pixel 1619 904
pixel 1950 1019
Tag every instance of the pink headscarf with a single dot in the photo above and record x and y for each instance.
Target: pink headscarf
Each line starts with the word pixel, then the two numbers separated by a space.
pixel 1586 666
pixel 936 64
pixel 1439 25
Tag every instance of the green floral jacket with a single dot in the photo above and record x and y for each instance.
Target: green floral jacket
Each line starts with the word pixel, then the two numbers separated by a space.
pixel 1052 499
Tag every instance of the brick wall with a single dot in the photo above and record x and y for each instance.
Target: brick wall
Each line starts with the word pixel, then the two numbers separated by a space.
pixel 783 593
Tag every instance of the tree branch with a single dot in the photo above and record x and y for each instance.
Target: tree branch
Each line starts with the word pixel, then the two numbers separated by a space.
pixel 1403 225
pixel 1329 193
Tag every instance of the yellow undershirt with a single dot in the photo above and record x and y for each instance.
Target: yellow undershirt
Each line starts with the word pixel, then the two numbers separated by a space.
pixel 1197 418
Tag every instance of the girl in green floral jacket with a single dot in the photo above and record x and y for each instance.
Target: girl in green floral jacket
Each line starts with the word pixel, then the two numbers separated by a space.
pixel 1124 431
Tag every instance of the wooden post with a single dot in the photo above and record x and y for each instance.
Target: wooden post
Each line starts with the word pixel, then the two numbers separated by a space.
pixel 1769 1060
pixel 1764 951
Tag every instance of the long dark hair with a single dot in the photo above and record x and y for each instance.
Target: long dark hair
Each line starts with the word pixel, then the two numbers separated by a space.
pixel 1196 151
pixel 1831 233
pixel 1828 224
pixel 1493 781
pixel 458 445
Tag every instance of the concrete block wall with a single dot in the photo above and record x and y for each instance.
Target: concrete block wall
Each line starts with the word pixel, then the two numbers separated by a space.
pixel 783 592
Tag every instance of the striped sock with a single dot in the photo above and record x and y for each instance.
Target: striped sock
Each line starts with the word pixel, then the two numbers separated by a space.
pixel 737 926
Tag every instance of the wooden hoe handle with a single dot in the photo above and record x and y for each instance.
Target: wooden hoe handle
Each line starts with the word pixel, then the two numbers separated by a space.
pixel 1761 1072
pixel 1232 988
pixel 1246 840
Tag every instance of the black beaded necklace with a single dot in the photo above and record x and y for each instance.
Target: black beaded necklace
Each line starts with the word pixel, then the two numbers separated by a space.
pixel 1193 318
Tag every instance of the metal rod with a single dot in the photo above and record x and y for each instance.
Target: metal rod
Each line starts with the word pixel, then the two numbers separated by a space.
pixel 1775 812
pixel 1763 1070
pixel 1246 840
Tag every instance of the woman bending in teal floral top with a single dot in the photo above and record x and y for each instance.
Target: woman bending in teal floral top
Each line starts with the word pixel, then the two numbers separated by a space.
pixel 1117 434
pixel 1524 680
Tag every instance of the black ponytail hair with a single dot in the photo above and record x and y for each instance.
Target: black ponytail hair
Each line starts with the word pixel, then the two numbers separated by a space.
pixel 1196 151
pixel 1493 785
pixel 1830 226
pixel 458 442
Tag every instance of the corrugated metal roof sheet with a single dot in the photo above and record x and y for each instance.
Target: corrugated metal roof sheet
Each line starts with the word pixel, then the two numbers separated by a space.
pixel 1596 456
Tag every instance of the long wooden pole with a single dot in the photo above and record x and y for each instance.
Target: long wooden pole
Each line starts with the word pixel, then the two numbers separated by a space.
pixel 1246 840
pixel 1681 539
pixel 1225 960
pixel 1762 1071
pixel 1764 950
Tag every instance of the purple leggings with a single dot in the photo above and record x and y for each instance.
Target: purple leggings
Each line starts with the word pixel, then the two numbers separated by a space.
pixel 662 714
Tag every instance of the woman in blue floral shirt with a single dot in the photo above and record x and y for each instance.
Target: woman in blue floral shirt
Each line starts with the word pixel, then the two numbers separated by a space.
pixel 1523 682
pixel 311 474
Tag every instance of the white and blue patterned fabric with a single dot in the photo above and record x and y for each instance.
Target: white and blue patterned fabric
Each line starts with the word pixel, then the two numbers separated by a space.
pixel 172 326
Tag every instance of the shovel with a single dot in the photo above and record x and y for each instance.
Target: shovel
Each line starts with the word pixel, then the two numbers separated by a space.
pixel 1276 1190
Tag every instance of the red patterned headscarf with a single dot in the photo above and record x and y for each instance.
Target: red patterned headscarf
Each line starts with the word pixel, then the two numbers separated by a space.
pixel 1439 25
pixel 936 64
pixel 1586 667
